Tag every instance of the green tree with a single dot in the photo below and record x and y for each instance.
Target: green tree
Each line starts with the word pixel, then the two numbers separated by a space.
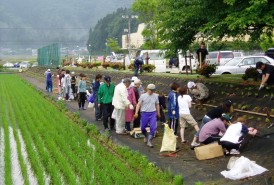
pixel 111 26
pixel 112 43
pixel 147 13
pixel 179 22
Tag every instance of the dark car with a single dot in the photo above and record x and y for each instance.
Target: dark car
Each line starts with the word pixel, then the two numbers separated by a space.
pixel 16 65
pixel 270 53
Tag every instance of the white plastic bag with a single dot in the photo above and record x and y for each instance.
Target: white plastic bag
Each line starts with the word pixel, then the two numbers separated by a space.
pixel 242 168
pixel 90 105
pixel 113 115
pixel 169 140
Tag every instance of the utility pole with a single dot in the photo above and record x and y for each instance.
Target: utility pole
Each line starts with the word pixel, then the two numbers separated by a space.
pixel 129 17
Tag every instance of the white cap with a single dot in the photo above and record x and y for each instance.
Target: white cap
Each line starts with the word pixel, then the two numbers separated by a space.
pixel 151 87
pixel 190 84
pixel 137 81
pixel 134 78
pixel 48 70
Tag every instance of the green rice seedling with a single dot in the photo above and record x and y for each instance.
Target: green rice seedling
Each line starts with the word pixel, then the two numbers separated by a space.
pixel 60 146
pixel 19 151
pixel 7 153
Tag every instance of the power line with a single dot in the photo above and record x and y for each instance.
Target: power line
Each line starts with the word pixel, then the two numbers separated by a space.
pixel 18 28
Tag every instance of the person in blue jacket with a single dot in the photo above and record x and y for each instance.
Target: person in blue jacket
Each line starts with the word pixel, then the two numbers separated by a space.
pixel 95 88
pixel 173 108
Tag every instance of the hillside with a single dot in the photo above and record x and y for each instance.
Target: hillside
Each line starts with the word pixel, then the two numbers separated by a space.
pixel 36 23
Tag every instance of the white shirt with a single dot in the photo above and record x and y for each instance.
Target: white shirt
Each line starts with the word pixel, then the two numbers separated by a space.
pixel 183 102
pixel 120 100
pixel 63 82
pixel 233 133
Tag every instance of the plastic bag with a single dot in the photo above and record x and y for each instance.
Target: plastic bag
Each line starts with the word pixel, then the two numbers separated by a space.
pixel 169 140
pixel 113 115
pixel 91 98
pixel 242 168
pixel 90 105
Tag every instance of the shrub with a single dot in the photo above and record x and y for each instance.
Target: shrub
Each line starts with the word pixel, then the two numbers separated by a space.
pixel 84 64
pixel 206 70
pixel 96 64
pixel 148 67
pixel 66 63
pixel 117 65
pixel 90 65
pixel 106 64
pixel 131 67
pixel 251 73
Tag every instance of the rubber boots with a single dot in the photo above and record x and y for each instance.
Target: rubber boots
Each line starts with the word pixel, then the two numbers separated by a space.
pixel 150 137
pixel 145 138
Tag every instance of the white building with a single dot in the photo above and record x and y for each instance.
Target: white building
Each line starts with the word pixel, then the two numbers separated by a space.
pixel 135 39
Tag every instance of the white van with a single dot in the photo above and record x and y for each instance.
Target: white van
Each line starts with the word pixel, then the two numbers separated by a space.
pixel 183 65
pixel 155 57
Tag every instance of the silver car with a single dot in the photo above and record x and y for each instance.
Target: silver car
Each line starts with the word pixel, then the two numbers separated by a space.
pixel 219 58
pixel 238 65
pixel 25 64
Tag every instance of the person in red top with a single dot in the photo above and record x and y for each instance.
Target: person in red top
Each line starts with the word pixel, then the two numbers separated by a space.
pixel 130 111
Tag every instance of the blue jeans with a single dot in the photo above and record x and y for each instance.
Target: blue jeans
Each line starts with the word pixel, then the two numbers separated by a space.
pixel 98 112
pixel 136 71
pixel 204 121
pixel 49 86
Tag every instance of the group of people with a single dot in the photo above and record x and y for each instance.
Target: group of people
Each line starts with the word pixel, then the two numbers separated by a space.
pixel 69 86
pixel 128 105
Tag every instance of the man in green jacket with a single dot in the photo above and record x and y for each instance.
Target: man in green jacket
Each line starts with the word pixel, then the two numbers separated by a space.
pixel 105 95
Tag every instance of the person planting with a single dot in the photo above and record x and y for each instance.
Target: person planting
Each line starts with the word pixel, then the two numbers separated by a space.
pixel 235 135
pixel 210 131
pixel 198 90
pixel 225 108
pixel 149 105
pixel 267 74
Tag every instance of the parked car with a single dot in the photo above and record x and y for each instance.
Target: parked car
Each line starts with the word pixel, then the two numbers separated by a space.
pixel 270 52
pixel 25 64
pixel 8 64
pixel 238 54
pixel 219 58
pixel 35 64
pixel 238 65
pixel 155 57
pixel 16 65
pixel 182 62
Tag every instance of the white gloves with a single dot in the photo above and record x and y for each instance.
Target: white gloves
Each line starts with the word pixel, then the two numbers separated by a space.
pixel 173 112
pixel 131 107
pixel 261 86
